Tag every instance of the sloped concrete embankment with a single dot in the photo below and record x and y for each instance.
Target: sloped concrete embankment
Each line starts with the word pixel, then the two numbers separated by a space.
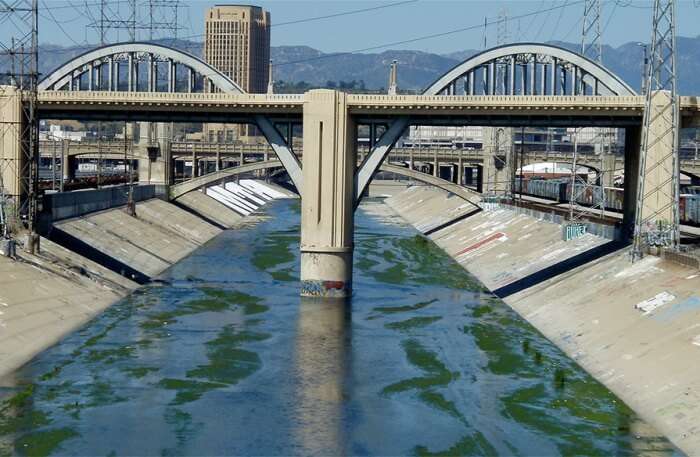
pixel 634 327
pixel 93 260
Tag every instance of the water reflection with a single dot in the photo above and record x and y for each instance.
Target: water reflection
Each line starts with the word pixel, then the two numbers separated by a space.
pixel 320 364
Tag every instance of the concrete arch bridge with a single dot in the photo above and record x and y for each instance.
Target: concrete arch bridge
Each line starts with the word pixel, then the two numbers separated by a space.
pixel 513 85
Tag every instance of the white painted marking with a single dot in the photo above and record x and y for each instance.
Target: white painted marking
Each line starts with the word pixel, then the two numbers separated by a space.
pixel 657 301
pixel 692 276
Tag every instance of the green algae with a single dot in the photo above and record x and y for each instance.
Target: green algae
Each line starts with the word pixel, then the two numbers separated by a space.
pixel 438 401
pixel 413 323
pixel 395 274
pixel 43 443
pixel 102 393
pixel 481 311
pixel 228 363
pixel 188 390
pixel 110 356
pixel 436 375
pixel 474 444
pixel 276 251
pixel 139 372
pixel 183 428
pixel 217 301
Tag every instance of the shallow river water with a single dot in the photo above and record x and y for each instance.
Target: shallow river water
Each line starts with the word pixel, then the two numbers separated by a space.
pixel 224 358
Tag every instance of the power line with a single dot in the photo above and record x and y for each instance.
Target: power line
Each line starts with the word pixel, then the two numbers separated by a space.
pixel 60 26
pixel 328 16
pixel 427 37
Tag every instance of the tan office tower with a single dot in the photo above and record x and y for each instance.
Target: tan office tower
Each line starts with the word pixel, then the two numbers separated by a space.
pixel 237 43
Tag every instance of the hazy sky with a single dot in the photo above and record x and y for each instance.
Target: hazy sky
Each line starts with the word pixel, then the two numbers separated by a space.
pixel 390 22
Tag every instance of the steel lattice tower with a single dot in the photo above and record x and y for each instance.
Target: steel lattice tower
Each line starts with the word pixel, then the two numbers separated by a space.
pixel 591 47
pixel 659 198
pixel 20 47
pixel 591 38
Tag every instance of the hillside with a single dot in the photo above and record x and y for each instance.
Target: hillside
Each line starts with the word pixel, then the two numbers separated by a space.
pixel 417 69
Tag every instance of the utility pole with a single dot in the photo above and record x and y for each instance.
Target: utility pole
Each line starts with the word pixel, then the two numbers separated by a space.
pixel 656 217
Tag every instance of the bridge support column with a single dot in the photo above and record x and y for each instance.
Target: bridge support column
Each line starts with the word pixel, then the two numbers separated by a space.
pixel 608 172
pixel 12 161
pixel 633 137
pixel 68 162
pixel 327 213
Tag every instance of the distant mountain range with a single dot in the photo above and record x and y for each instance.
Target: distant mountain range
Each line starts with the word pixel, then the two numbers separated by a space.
pixel 417 69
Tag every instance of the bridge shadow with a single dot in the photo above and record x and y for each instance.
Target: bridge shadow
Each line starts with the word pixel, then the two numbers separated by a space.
pixel 559 268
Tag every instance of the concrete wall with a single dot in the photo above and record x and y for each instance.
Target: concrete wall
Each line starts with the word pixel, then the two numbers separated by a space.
pixel 634 327
pixel 65 205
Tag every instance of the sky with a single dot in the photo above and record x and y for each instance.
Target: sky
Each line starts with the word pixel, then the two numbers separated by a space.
pixel 391 24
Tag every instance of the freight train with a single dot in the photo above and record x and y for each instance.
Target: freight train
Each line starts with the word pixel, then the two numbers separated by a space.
pixel 559 190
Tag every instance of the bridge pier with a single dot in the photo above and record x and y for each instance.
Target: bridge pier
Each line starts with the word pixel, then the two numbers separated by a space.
pixel 327 212
pixel 633 136
pixel 12 161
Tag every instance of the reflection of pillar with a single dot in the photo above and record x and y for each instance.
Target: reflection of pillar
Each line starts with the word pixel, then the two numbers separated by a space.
pixel 327 216
pixel 320 371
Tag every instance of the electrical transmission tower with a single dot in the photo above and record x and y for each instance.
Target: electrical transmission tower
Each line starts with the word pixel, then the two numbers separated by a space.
pixel 657 218
pixel 581 186
pixel 501 167
pixel 162 19
pixel 19 124
pixel 113 17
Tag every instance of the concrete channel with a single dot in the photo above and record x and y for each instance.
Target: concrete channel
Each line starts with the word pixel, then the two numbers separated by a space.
pixel 634 326
pixel 93 253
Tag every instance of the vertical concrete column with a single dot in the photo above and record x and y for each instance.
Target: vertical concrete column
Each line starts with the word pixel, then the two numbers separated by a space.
pixel 633 137
pixel 659 168
pixel 436 164
pixel 218 156
pixel 194 160
pixel 68 162
pixel 410 159
pixel 609 163
pixel 327 216
pixel 12 161
pixel 460 170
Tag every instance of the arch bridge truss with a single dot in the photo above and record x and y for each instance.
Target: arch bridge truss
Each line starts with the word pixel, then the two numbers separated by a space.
pixel 516 69
pixel 137 67
pixel 529 69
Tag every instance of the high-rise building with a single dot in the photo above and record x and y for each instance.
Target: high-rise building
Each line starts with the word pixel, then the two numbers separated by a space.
pixel 237 43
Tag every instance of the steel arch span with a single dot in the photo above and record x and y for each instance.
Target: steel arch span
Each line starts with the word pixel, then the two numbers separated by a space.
pixel 100 69
pixel 529 69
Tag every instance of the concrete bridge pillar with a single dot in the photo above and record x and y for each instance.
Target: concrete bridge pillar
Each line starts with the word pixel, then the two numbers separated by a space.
pixel 633 137
pixel 659 169
pixel 69 163
pixel 609 163
pixel 327 213
pixel 498 154
pixel 12 161
pixel 155 161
